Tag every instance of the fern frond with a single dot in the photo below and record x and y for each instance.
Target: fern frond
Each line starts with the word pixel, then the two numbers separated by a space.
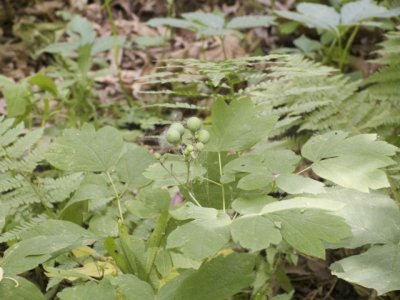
pixel 15 233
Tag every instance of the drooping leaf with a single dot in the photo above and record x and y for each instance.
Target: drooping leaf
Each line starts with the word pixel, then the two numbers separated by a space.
pixel 237 126
pixel 86 149
pixel 377 268
pixel 353 162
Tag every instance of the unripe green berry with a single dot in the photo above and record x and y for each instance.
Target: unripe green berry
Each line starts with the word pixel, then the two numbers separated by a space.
pixel 157 156
pixel 173 136
pixel 190 148
pixel 199 146
pixel 178 127
pixel 203 136
pixel 194 124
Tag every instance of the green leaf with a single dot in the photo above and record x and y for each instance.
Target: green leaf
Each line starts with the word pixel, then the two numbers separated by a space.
pixel 352 162
pixel 170 22
pixel 262 168
pixel 245 22
pixel 296 184
pixel 255 232
pixel 374 217
pixel 105 43
pixel 377 268
pixel 82 27
pixel 306 230
pixel 355 12
pixel 44 82
pixel 43 242
pixel 205 19
pixel 18 97
pixel 90 290
pixel 314 15
pixel 131 166
pixel 175 172
pixel 86 149
pixel 25 289
pixel 201 238
pixel 149 203
pixel 132 288
pixel 237 126
pixel 190 211
pixel 307 45
pixel 218 279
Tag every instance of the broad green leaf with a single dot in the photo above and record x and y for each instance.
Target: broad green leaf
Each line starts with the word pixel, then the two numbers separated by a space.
pixel 170 22
pixel 90 290
pixel 106 43
pixel 252 204
pixel 205 19
pixel 208 193
pixel 260 169
pixel 132 288
pixel 217 279
pixel 191 211
pixel 296 184
pixel 44 82
pixel 43 242
pixel 352 162
pixel 245 22
pixel 131 166
pixel 174 172
pixel 307 230
pixel 255 232
pixel 17 97
pixel 314 15
pixel 84 29
pixel 237 126
pixel 378 268
pixel 86 149
pixel 25 289
pixel 307 45
pixel 200 238
pixel 374 218
pixel 303 204
pixel 149 203
pixel 355 12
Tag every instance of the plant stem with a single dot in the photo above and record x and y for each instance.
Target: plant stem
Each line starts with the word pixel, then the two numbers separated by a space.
pixel 222 39
pixel 212 181
pixel 181 184
pixel 345 52
pixel 305 169
pixel 116 51
pixel 222 186
pixel 116 196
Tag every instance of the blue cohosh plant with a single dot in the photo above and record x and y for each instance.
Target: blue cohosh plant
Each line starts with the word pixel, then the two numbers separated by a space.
pixel 334 26
pixel 214 218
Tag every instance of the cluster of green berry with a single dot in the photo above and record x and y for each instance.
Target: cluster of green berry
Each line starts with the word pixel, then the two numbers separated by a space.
pixel 198 135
